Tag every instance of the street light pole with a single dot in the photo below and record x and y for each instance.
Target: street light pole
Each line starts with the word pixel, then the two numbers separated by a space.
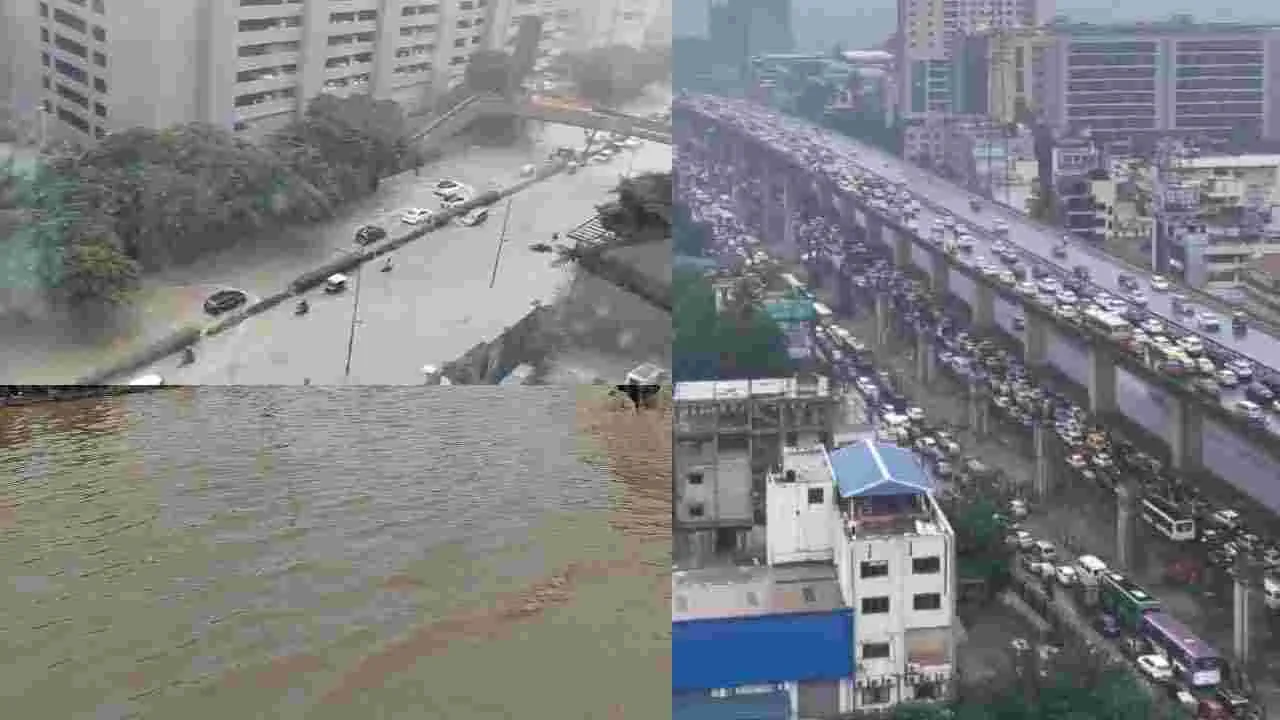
pixel 355 313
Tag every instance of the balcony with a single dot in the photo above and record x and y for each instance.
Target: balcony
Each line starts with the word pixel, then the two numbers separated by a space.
pixel 273 59
pixel 279 81
pixel 267 107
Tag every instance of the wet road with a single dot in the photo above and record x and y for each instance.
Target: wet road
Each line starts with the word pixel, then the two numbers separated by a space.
pixel 437 301
pixel 289 553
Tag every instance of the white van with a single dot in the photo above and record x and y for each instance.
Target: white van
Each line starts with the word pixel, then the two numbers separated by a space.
pixel 1090 565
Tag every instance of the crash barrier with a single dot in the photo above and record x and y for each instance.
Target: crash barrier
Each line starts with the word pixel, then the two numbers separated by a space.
pixel 191 334
pixel 183 337
pixel 256 308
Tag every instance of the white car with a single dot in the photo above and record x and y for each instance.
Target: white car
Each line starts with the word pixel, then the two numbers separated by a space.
pixel 1159 283
pixel 1226 378
pixel 915 414
pixel 415 216
pixel 454 201
pixel 528 170
pixel 1155 667
pixel 1137 297
pixel 1027 288
pixel 1066 575
pixel 1191 345
pixel 475 217
pixel 1021 539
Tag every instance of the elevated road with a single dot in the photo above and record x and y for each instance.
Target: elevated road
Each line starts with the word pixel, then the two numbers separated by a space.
pixel 801 140
pixel 545 110
pixel 770 172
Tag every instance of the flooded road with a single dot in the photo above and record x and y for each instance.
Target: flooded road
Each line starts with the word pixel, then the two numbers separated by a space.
pixel 319 552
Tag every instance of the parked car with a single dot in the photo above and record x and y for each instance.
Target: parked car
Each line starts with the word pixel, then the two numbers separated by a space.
pixel 224 301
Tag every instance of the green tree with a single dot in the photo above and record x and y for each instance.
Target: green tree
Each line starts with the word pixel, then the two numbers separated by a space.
pixel 642 210
pixel 617 73
pixel 740 342
pixel 490 71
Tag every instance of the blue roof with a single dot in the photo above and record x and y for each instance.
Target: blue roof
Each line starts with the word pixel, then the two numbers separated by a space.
pixel 868 468
pixel 701 706
pixel 761 649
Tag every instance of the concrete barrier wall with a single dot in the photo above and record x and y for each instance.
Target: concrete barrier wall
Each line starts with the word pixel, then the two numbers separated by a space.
pixel 190 335
pixel 186 336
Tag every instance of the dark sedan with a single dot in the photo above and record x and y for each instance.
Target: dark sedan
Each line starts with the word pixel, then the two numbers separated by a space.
pixel 369 234
pixel 224 301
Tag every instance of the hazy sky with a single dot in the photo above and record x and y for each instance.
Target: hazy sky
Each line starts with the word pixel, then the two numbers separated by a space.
pixel 819 24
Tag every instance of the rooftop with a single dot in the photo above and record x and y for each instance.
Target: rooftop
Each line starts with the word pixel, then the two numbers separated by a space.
pixel 753 591
pixel 870 469
pixel 1172 25
pixel 807 466
pixel 714 390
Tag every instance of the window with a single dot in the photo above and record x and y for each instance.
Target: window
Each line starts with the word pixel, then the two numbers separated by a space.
pixel 71 21
pixel 47 85
pixel 99 59
pixel 875 695
pixel 793 439
pixel 695 478
pixel 875 651
pixel 807 593
pixel 240 125
pixel 927 691
pixel 926 565
pixel 99 133
pixel 44 34
pixel 695 510
pixel 97 7
pixel 44 9
pixel 99 34
pixel 44 59
pixel 460 42
pixel 876 605
pixel 100 85
pixel 70 46
pixel 875 569
pixel 99 109
pixel 816 496
pixel 927 601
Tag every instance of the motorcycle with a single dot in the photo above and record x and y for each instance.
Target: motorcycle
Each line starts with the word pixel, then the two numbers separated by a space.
pixel 302 308
pixel 386 267
pixel 188 357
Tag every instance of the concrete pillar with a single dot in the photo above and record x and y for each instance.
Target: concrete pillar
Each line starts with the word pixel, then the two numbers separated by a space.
pixel 790 203
pixel 984 308
pixel 925 357
pixel 883 310
pixel 1035 341
pixel 1186 434
pixel 939 274
pixel 1241 631
pixel 977 410
pixel 1126 501
pixel 1102 381
pixel 900 242
pixel 1041 435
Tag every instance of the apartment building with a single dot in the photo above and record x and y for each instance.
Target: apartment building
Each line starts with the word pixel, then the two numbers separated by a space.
pixel 1207 80
pixel 1221 213
pixel 248 65
pixel 930 36
pixel 728 434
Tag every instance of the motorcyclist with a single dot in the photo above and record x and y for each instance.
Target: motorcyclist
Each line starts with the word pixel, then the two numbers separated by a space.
pixel 303 306
pixel 188 356
pixel 386 266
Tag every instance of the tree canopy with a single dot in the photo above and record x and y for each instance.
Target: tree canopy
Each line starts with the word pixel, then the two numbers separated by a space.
pixel 614 74
pixel 490 71
pixel 143 199
pixel 642 209
pixel 741 342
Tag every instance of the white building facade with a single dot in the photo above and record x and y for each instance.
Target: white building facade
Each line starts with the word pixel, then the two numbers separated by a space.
pixel 250 65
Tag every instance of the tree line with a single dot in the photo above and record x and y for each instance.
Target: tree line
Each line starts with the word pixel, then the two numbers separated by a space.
pixel 615 74
pixel 94 221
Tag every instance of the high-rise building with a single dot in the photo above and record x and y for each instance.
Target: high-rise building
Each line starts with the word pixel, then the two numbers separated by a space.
pixel 250 65
pixel 1160 78
pixel 931 36
pixel 577 25
pixel 743 29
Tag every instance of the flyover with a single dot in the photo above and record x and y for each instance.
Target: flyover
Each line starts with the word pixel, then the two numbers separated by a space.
pixel 781 169
pixel 464 113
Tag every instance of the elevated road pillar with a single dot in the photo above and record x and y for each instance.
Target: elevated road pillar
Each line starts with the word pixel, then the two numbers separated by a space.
pixel 984 308
pixel 1186 434
pixel 977 409
pixel 790 214
pixel 1102 380
pixel 1042 434
pixel 925 358
pixel 1126 512
pixel 883 310
pixel 939 274
pixel 900 243
pixel 1035 341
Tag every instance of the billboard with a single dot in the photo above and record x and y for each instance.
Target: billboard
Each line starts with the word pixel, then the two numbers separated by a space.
pixel 761 649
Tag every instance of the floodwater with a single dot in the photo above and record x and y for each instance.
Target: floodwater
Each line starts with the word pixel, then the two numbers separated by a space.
pixel 335 553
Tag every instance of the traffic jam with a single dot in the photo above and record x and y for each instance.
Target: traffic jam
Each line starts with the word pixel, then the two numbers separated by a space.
pixel 1062 287
pixel 1213 536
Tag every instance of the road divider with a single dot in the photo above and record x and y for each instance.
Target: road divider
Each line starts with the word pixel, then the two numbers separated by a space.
pixel 191 334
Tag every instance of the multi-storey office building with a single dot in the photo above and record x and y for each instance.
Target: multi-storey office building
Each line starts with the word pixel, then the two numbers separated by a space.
pixel 1175 77
pixel 249 65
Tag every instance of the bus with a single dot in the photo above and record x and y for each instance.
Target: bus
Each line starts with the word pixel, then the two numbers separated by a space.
pixel 1125 599
pixel 1108 324
pixel 1194 661
pixel 823 312
pixel 1167 519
